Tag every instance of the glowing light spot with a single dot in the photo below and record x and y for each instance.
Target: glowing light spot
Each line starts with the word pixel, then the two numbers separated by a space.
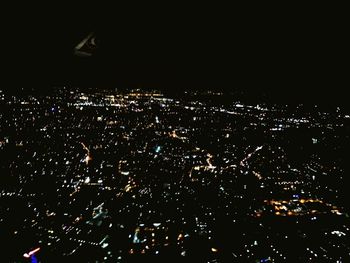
pixel 158 148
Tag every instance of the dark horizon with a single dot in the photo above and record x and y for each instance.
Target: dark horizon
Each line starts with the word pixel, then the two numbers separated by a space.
pixel 288 61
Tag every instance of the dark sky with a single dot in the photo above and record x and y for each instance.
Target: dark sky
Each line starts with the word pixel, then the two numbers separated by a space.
pixel 284 57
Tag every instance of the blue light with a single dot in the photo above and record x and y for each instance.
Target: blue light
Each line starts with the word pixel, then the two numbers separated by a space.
pixel 136 239
pixel 34 259
pixel 158 149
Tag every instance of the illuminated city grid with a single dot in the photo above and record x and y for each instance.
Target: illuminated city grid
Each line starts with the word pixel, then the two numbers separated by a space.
pixel 102 176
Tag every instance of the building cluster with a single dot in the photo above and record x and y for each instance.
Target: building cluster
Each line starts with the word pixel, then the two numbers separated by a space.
pixel 102 176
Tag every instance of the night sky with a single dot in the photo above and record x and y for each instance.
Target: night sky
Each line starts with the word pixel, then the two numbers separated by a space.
pixel 286 58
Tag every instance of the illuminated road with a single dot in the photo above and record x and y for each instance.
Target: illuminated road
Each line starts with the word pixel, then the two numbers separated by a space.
pixel 174 135
pixel 210 165
pixel 88 157
pixel 242 163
